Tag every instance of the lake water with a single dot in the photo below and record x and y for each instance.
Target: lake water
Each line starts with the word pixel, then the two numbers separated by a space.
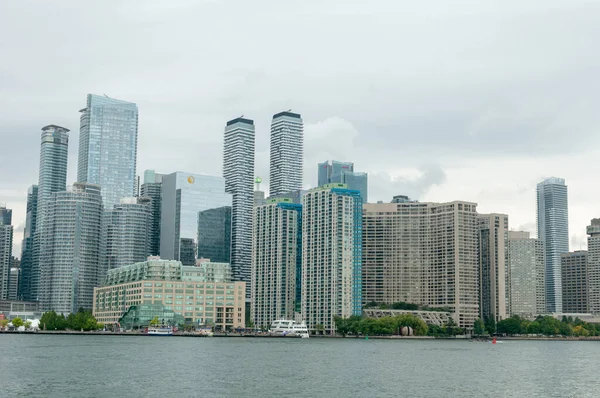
pixel 109 366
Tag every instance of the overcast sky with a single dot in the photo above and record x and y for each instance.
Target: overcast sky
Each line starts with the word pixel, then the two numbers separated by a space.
pixel 441 100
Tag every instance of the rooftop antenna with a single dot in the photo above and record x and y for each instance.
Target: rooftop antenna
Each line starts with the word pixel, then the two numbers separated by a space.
pixel 241 116
pixel 106 96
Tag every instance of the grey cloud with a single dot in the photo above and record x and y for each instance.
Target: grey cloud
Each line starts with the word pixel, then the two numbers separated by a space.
pixel 383 186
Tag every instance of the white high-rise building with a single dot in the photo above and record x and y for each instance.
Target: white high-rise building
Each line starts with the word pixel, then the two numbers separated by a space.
pixel 494 271
pixel 276 261
pixel 70 244
pixel 553 230
pixel 238 171
pixel 331 256
pixel 6 242
pixel 287 153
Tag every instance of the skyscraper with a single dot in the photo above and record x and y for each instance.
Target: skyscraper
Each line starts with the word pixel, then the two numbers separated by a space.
pixel 527 275
pixel 6 240
pixel 184 196
pixel 238 171
pixel 331 255
pixel 494 270
pixel 70 244
pixel 276 262
pixel 214 234
pixel 126 233
pixel 13 283
pixel 343 172
pixel 52 178
pixel 422 253
pixel 553 230
pixel 287 153
pixel 152 188
pixel 593 266
pixel 27 244
pixel 108 147
pixel 574 282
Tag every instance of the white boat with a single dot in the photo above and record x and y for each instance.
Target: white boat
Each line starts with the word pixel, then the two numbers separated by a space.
pixel 160 331
pixel 205 332
pixel 285 327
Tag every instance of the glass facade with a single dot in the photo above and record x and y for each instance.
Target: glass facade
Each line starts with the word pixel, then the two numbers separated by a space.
pixel 108 147
pixel 343 172
pixel 553 230
pixel 214 234
pixel 152 188
pixel 27 244
pixel 184 195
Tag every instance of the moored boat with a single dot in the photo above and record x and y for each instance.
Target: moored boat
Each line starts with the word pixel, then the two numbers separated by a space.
pixel 160 331
pixel 285 327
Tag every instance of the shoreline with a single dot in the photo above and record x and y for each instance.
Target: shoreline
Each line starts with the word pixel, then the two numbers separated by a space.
pixel 250 335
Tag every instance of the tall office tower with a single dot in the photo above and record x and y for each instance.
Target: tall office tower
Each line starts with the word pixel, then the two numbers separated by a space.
pixel 6 240
pixel 54 153
pixel 287 153
pixel 276 262
pixel 574 282
pixel 27 244
pixel 108 147
pixel 331 255
pixel 593 266
pixel 152 188
pixel 553 230
pixel 184 195
pixel 70 244
pixel 527 275
pixel 126 233
pixel 343 172
pixel 494 270
pixel 238 171
pixel 214 234
pixel 422 253
pixel 13 283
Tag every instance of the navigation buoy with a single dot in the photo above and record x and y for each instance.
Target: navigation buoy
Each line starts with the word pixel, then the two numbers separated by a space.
pixel 494 341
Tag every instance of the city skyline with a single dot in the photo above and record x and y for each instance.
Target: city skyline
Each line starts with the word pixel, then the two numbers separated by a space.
pixel 475 129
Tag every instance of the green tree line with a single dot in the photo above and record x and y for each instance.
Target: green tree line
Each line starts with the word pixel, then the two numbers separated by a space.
pixel 82 320
pixel 382 326
pixel 542 325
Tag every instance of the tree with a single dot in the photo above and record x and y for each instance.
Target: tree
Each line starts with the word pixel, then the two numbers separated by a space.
pixel 490 325
pixel 510 325
pixel 320 328
pixel 27 325
pixel 3 323
pixel 155 321
pixel 478 327
pixel 17 322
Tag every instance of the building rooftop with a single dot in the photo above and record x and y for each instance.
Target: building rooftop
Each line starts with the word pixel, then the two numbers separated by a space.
pixel 240 120
pixel 288 114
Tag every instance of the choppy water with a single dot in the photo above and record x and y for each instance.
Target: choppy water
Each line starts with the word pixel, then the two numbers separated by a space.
pixel 107 366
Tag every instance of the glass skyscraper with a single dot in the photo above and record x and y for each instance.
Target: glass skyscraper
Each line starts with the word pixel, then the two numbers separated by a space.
pixel 238 171
pixel 152 188
pixel 553 230
pixel 54 153
pixel 214 234
pixel 108 147
pixel 184 195
pixel 70 247
pixel 27 244
pixel 343 173
pixel 287 153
